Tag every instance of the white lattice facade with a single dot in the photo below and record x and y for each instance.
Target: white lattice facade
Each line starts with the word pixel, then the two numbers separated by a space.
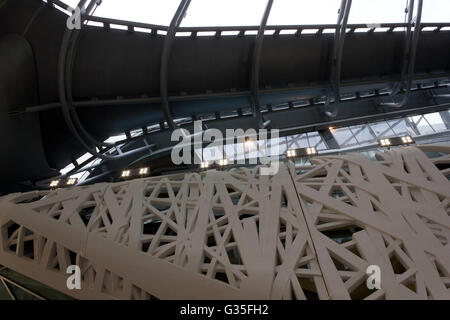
pixel 306 233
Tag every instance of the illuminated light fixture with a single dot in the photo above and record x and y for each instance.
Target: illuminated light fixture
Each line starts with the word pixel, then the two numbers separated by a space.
pixel 54 183
pixel 396 141
pixel 384 142
pixel 407 140
pixel 223 162
pixel 291 153
pixel 143 171
pixel 248 142
pixel 72 181
pixel 125 173
pixel 311 151
pixel 204 165
pixel 302 152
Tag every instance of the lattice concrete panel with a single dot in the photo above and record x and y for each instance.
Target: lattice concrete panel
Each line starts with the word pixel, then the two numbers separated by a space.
pixel 306 233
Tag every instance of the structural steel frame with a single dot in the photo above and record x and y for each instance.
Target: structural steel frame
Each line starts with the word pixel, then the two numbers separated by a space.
pixel 410 53
pixel 370 94
pixel 340 33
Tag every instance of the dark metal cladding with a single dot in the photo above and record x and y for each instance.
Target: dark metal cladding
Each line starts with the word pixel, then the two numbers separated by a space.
pixel 116 80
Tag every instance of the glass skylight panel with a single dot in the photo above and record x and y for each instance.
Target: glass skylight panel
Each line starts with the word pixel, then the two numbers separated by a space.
pixel 435 120
pixel 400 127
pixel 81 175
pixel 277 146
pixel 321 145
pixel 436 11
pixel 212 154
pixel 83 158
pixel 249 12
pixel 363 134
pixel 315 140
pixel 251 149
pixel 67 169
pixel 344 137
pixel 137 132
pixel 146 11
pixel 71 3
pixel 378 11
pixel 421 124
pixel 382 129
pixel 203 13
pixel 263 149
pixel 297 12
pixel 446 117
pixel 114 139
pixel 297 141
pixel 230 151
pixel 239 151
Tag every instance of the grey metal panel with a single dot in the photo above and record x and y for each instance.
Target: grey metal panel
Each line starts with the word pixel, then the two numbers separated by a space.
pixel 20 135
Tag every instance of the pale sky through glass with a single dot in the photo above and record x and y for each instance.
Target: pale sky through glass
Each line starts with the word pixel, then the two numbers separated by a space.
pixel 249 12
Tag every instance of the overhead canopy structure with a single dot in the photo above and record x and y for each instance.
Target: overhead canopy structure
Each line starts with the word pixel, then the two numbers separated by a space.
pixel 121 76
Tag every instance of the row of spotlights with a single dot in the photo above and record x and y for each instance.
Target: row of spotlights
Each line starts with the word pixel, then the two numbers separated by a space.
pixel 302 152
pixel 66 182
pixel 205 164
pixel 291 153
pixel 72 181
pixel 385 142
pixel 142 172
pixel 54 183
pixel 407 140
pixel 126 173
pixel 395 141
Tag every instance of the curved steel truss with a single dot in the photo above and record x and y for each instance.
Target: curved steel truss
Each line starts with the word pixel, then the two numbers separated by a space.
pixel 308 232
pixel 255 94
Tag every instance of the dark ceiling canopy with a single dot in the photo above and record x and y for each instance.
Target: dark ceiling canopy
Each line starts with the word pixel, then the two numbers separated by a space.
pixel 116 81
